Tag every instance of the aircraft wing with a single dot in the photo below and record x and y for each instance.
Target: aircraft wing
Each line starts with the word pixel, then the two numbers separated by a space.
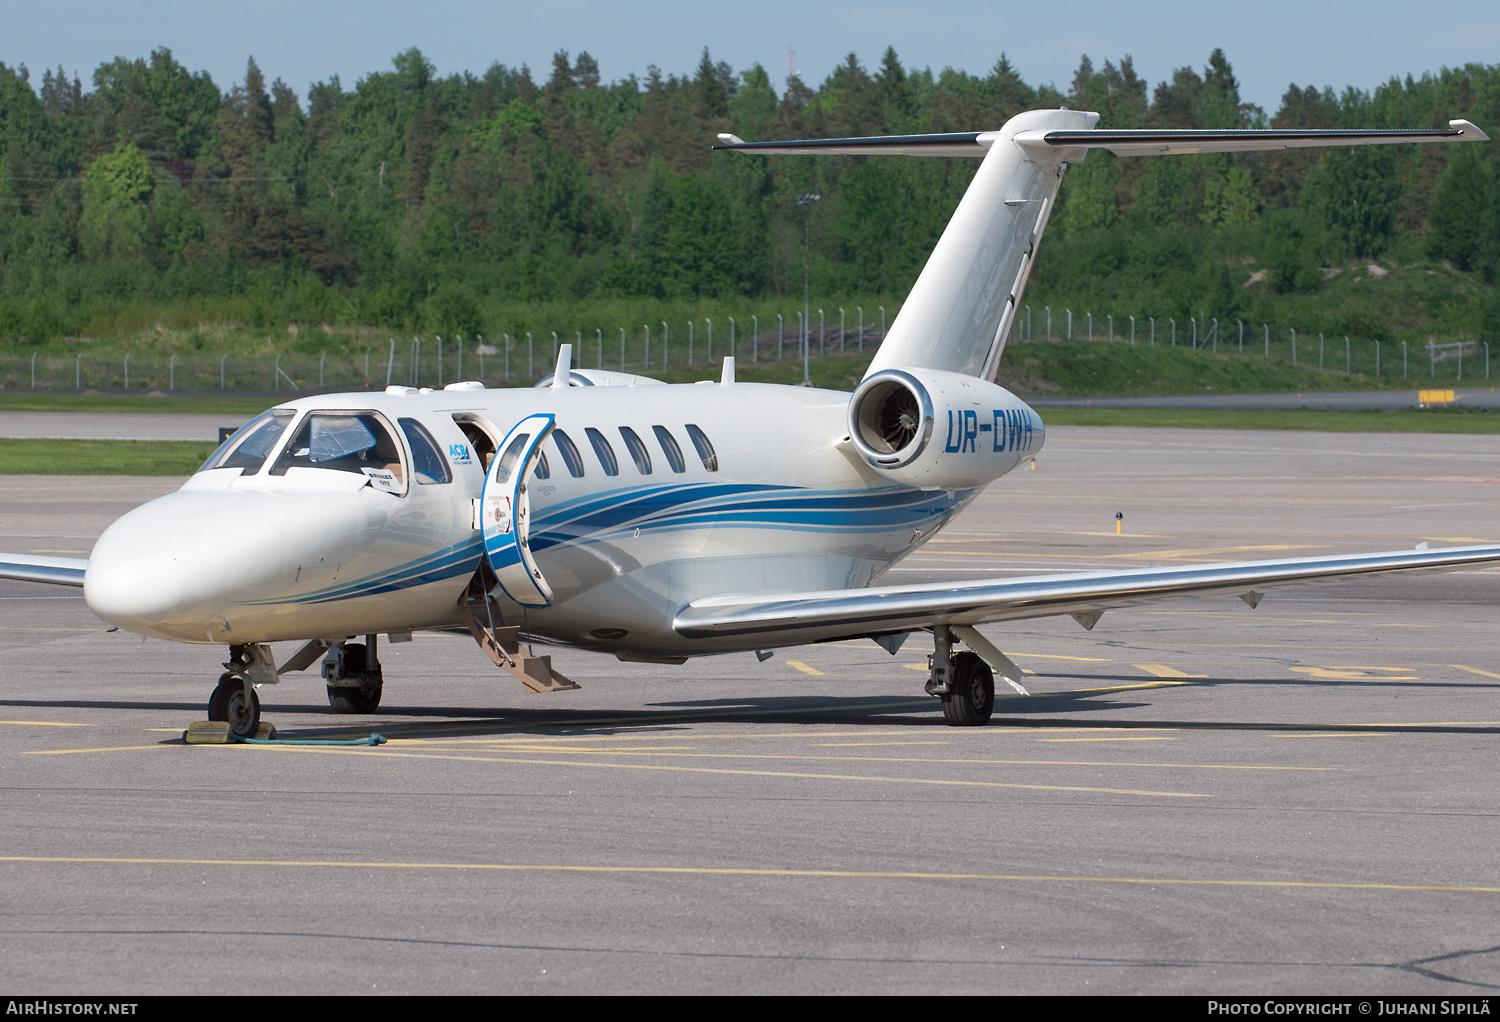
pixel 63 571
pixel 1129 142
pixel 818 616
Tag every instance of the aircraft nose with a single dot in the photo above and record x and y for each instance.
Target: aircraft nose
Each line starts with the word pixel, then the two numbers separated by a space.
pixel 166 569
pixel 147 582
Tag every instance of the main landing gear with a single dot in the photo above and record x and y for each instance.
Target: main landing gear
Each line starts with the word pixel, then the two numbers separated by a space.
pixel 352 672
pixel 963 681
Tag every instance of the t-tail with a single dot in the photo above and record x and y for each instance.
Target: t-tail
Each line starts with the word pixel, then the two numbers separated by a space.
pixel 962 306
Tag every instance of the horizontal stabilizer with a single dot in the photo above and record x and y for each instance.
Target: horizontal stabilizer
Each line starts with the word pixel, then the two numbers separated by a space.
pixel 953 143
pixel 63 571
pixel 1133 142
pixel 1156 143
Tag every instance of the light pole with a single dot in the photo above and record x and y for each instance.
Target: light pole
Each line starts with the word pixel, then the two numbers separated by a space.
pixel 806 201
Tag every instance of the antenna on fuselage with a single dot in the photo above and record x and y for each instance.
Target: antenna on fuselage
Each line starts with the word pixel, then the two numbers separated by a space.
pixel 564 370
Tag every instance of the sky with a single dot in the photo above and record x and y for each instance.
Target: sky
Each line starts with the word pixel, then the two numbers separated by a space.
pixel 1270 43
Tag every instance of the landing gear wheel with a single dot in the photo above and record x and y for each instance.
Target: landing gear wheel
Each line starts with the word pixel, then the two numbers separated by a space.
pixel 236 703
pixel 971 696
pixel 363 697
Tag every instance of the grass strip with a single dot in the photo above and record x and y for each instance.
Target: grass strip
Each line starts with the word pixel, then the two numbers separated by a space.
pixel 46 457
pixel 1430 420
pixel 47 401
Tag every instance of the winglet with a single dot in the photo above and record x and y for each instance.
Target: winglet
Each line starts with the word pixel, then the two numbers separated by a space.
pixel 564 370
pixel 727 378
pixel 1470 130
pixel 728 139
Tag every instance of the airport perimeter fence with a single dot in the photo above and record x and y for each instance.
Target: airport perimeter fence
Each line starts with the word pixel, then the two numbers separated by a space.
pixel 432 361
pixel 1386 360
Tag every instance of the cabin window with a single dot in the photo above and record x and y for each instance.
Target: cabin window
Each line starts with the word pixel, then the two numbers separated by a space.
pixel 605 452
pixel 357 442
pixel 428 464
pixel 669 448
pixel 510 457
pixel 250 445
pixel 542 470
pixel 705 448
pixel 569 452
pixel 637 450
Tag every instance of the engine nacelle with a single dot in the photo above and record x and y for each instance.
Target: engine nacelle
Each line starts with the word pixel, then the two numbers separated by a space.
pixel 937 430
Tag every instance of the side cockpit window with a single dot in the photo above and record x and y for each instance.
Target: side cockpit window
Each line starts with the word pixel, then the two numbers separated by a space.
pixel 428 464
pixel 357 442
pixel 252 443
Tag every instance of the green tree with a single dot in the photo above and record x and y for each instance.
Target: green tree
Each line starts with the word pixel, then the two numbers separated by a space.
pixel 116 189
pixel 1356 194
pixel 1458 221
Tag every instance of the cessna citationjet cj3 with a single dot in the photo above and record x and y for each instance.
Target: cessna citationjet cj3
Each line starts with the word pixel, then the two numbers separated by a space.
pixel 610 512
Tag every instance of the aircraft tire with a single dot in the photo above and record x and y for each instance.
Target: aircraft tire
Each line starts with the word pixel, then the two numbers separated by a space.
pixel 364 699
pixel 971 696
pixel 233 702
pixel 218 702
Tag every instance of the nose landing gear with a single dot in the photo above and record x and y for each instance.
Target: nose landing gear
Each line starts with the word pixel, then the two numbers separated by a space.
pixel 354 679
pixel 234 699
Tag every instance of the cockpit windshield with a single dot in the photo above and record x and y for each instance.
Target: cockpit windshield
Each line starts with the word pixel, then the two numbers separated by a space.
pixel 357 442
pixel 250 445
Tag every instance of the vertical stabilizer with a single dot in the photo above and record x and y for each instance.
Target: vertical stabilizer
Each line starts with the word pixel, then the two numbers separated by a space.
pixel 964 302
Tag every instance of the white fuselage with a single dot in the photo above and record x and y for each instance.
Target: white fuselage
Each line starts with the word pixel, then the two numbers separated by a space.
pixel 235 557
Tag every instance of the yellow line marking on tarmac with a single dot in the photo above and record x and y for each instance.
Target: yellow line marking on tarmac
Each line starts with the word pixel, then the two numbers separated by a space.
pixel 110 748
pixel 1187 552
pixel 45 723
pixel 1339 734
pixel 799 665
pixel 31 628
pixel 850 874
pixel 1131 738
pixel 850 745
pixel 1259 616
pixel 1163 671
pixel 1122 535
pixel 938 782
pixel 1475 670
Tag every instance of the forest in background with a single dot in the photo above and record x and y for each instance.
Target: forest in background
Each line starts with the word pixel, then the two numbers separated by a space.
pixel 414 201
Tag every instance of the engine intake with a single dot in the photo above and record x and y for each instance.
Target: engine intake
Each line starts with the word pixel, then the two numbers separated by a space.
pixel 937 430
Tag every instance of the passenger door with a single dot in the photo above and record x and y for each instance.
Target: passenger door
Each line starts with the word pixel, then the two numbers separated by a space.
pixel 506 508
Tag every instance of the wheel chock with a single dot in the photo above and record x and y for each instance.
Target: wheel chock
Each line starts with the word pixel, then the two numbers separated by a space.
pixel 216 732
